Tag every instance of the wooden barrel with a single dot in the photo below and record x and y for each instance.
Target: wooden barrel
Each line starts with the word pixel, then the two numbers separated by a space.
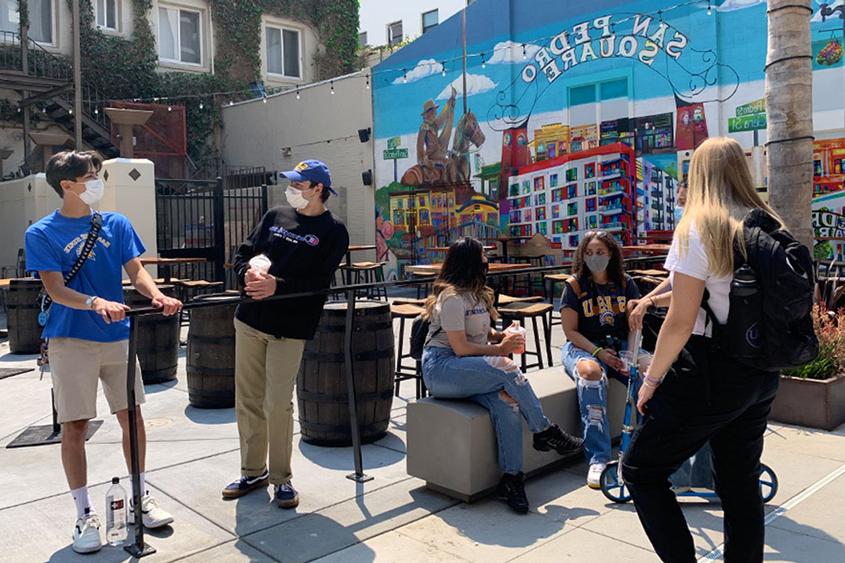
pixel 321 385
pixel 22 319
pixel 211 354
pixel 158 338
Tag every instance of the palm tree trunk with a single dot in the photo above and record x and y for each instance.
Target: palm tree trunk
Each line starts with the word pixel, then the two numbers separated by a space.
pixel 789 109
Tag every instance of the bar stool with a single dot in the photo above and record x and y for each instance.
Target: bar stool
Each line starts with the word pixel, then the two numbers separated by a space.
pixel 404 371
pixel 368 272
pixel 409 301
pixel 528 282
pixel 550 281
pixel 504 300
pixel 188 290
pixel 523 312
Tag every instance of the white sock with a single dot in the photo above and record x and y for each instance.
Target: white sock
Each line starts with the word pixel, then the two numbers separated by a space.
pixel 82 500
pixel 143 477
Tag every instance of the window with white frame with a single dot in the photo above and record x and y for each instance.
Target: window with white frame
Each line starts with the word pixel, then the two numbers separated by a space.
pixel 283 47
pixel 179 35
pixel 10 19
pixel 394 33
pixel 41 20
pixel 107 16
pixel 41 24
pixel 430 20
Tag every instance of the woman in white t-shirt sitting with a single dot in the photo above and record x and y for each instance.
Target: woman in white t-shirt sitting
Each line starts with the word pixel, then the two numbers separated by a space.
pixel 464 358
pixel 707 395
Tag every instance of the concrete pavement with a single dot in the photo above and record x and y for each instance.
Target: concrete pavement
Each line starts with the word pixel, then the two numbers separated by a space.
pixel 193 453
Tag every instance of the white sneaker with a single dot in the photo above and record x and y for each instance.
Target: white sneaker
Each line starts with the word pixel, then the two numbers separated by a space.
pixel 152 515
pixel 594 475
pixel 86 534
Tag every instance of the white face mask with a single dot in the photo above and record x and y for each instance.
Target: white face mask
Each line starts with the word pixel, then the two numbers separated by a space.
pixel 295 198
pixel 597 263
pixel 93 192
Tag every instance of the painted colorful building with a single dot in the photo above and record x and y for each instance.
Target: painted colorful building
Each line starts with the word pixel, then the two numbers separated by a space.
pixel 549 82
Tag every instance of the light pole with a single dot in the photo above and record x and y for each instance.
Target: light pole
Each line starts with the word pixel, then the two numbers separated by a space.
pixel 77 78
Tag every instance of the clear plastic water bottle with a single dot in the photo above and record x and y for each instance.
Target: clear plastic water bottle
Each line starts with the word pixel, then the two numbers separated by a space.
pixel 116 513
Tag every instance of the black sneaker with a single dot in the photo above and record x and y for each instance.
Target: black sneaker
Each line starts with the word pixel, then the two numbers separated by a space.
pixel 242 486
pixel 286 496
pixel 553 438
pixel 511 489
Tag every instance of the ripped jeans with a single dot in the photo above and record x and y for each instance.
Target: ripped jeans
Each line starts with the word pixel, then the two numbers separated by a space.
pixel 592 400
pixel 482 379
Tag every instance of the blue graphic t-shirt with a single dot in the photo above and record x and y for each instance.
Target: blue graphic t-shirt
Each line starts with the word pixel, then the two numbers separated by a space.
pixel 53 244
pixel 600 308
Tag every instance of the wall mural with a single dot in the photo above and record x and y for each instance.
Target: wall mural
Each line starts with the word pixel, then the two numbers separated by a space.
pixel 573 116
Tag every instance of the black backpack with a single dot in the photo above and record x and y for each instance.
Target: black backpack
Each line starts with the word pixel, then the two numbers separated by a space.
pixel 770 325
pixel 419 336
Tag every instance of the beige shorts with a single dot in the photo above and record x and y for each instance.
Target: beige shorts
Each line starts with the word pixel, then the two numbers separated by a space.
pixel 76 366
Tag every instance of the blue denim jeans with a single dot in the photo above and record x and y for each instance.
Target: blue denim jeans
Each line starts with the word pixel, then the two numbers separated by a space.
pixel 697 471
pixel 482 379
pixel 592 400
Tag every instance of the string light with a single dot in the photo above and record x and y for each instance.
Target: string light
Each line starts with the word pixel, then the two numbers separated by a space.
pixel 332 83
pixel 96 111
pixel 70 111
pixel 231 103
pixel 264 99
pixel 169 108
pixel 393 71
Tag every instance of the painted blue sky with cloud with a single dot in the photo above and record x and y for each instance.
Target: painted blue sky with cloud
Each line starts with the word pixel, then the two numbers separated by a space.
pixel 736 32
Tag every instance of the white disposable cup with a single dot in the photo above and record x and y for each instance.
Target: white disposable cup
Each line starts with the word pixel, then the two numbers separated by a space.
pixel 260 263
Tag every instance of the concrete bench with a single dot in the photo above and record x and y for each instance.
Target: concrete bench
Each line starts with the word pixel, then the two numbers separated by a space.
pixel 452 445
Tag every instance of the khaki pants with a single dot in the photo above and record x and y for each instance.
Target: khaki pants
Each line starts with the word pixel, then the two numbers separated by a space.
pixel 265 372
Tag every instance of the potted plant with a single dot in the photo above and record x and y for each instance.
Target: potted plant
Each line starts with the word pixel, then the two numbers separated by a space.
pixel 814 395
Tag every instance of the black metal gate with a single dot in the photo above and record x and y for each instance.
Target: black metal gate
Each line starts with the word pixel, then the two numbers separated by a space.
pixel 202 219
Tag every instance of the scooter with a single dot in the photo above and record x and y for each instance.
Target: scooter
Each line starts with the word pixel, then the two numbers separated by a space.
pixel 612 483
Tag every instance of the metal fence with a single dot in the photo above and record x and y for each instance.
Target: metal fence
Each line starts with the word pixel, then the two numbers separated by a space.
pixel 202 219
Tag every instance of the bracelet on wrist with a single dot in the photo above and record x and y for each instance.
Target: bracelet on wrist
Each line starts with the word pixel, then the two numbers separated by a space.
pixel 653 304
pixel 597 351
pixel 652 381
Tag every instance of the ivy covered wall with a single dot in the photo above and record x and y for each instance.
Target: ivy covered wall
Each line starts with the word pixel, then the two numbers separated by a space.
pixel 127 68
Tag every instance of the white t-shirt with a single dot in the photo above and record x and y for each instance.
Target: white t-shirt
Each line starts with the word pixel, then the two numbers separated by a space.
pixel 694 263
pixel 459 312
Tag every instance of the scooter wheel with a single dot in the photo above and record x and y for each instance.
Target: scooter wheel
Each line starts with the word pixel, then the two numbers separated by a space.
pixel 768 482
pixel 612 485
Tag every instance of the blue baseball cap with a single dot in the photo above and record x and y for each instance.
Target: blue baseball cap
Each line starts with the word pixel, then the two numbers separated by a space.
pixel 313 171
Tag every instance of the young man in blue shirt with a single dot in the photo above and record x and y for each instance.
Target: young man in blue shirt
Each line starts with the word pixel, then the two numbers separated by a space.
pixel 87 327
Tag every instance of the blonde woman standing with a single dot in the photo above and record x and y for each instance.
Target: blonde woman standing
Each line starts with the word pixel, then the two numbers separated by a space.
pixel 713 397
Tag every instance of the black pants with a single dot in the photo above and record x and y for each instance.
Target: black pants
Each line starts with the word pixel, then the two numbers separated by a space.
pixel 712 399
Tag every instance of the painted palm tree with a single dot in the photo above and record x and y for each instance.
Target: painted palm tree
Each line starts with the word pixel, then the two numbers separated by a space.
pixel 789 108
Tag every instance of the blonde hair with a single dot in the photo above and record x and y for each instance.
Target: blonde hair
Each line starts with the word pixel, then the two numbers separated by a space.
pixel 720 193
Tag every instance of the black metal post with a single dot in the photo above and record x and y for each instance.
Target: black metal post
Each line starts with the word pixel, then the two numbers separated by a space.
pixel 137 549
pixel 219 232
pixel 358 476
pixel 56 428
